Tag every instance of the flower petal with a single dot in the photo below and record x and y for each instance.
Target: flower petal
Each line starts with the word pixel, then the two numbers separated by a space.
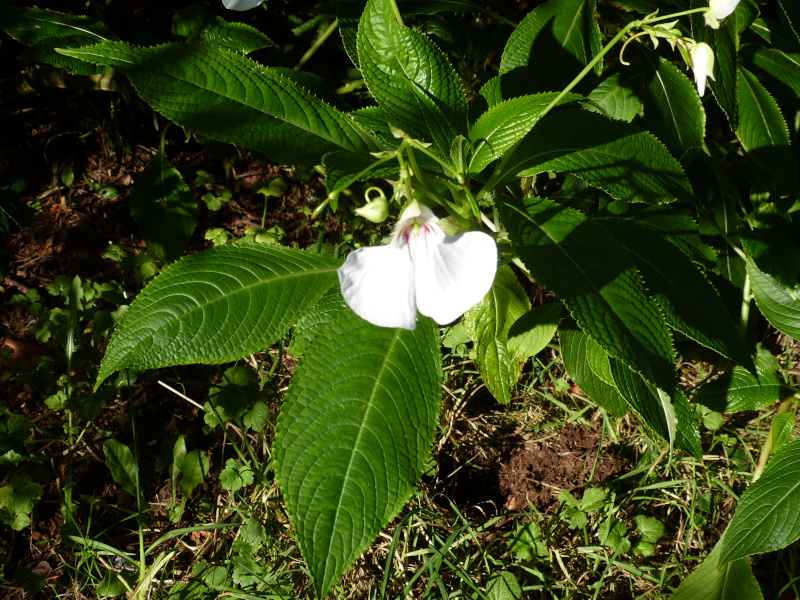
pixel 723 8
pixel 454 274
pixel 241 4
pixel 378 284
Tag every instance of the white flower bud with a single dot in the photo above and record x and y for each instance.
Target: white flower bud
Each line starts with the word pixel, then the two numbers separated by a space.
pixel 719 10
pixel 702 57
pixel 241 4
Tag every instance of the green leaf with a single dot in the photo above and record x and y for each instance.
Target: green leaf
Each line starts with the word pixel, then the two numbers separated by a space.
pixel 194 467
pixel 780 305
pixel 527 543
pixel 765 136
pixel 113 584
pixel 649 528
pixel 588 365
pixel 616 157
pixel 235 475
pixel 347 475
pixel 690 304
pixel 503 586
pixel 228 97
pixel 410 78
pixel 592 275
pixel 164 208
pixel 348 14
pixel 122 464
pixel 554 41
pixel 201 25
pixel 768 514
pixel 324 312
pixel 672 109
pixel 218 305
pixel 779 71
pixel 17 500
pixel 714 580
pixel 505 124
pixel 677 227
pixel 46 52
pixel 738 390
pixel 531 332
pixel 781 429
pixel 618 96
pixel 671 417
pixel 611 534
pixel 487 325
pixel 32 25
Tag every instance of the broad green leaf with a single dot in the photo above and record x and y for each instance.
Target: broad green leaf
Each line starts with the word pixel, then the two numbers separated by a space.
pixel 32 25
pixel 487 325
pixel 618 95
pixel 113 585
pixel 531 332
pixel 771 241
pixel 17 500
pixel 792 14
pixel 200 25
pixel 649 528
pixel 619 158
pixel 164 208
pixel 228 97
pixel 671 417
pixel 122 464
pixel 194 467
pixel 714 580
pixel 768 514
pixel 505 124
pixel 592 275
pixel 502 586
pixel 672 109
pixel 348 14
pixel 780 305
pixel 580 353
pixel 674 226
pixel 410 78
pixel 764 135
pixel 46 52
pixel 690 304
pixel 611 534
pixel 779 71
pixel 373 119
pixel 218 305
pixel 316 320
pixel 781 429
pixel 347 475
pixel 723 42
pixel 554 41
pixel 738 390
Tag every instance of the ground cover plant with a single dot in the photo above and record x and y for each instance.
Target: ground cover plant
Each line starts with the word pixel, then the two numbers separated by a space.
pixel 404 299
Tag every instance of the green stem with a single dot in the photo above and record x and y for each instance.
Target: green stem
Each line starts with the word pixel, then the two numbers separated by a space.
pixel 397 14
pixel 139 512
pixel 316 45
pixel 744 316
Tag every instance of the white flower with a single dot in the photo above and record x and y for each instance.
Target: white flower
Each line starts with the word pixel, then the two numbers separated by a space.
pixel 719 10
pixel 241 4
pixel 702 57
pixel 421 269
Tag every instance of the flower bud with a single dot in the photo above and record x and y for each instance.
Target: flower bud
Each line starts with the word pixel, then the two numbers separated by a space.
pixel 702 57
pixel 241 4
pixel 376 211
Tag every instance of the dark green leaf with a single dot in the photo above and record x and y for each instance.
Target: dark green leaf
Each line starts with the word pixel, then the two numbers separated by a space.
pixel 723 42
pixel 713 580
pixel 618 95
pixel 592 275
pixel 164 208
pixel 619 158
pixel 122 464
pixel 553 43
pixel 228 97
pixel 779 304
pixel 738 390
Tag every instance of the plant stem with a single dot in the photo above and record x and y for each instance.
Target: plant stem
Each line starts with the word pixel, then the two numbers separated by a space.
pixel 139 513
pixel 316 45
pixel 744 316
pixel 767 449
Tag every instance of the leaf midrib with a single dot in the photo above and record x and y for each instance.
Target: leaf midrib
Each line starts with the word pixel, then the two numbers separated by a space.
pixel 356 444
